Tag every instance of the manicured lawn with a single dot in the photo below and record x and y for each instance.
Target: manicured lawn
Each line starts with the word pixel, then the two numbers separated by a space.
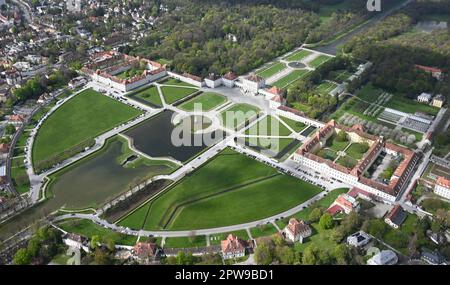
pixel 230 189
pixel 273 145
pixel 136 219
pixel 299 55
pixel 272 70
pixel 173 81
pixel 88 229
pixel 263 230
pixel 403 233
pixel 355 151
pixel 290 78
pixel 336 145
pixel 327 154
pixel 325 87
pixel 237 114
pixel 295 125
pixel 319 60
pixel 320 238
pixel 19 175
pixel 173 94
pixel 268 126
pixel 400 103
pixel 347 161
pixel 85 116
pixel 150 95
pixel 217 238
pixel 339 76
pixel 245 204
pixel 185 242
pixel 208 101
pixel 323 203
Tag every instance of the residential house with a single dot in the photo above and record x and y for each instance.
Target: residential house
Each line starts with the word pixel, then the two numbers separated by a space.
pixel 384 257
pixel 396 217
pixel 4 148
pixel 76 241
pixel 435 72
pixel 232 247
pixel 145 251
pixel 358 239
pixel 297 230
pixel 344 203
pixel 424 98
pixel 438 101
pixel 442 187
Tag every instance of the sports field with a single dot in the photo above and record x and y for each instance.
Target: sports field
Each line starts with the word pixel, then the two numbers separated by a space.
pixel 236 115
pixel 298 56
pixel 208 101
pixel 230 189
pixel 272 70
pixel 150 95
pixel 319 60
pixel 85 116
pixel 290 78
pixel 172 94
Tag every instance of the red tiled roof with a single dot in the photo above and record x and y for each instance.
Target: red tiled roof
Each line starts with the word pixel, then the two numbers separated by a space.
pixel 254 78
pixel 4 147
pixel 297 227
pixel 276 91
pixel 144 249
pixel 333 210
pixel 443 182
pixel 428 68
pixel 230 76
pixel 232 244
pixel 193 77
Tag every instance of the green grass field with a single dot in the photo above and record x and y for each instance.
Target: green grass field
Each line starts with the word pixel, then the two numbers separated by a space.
pixel 325 87
pixel 19 175
pixel 183 242
pixel 268 126
pixel 88 229
pixel 323 203
pixel 173 94
pixel 173 81
pixel 263 230
pixel 290 78
pixel 237 114
pixel 272 70
pixel 223 192
pixel 355 151
pixel 295 125
pixel 150 95
pixel 85 116
pixel 217 238
pixel 400 103
pixel 319 60
pixel 208 101
pixel 298 56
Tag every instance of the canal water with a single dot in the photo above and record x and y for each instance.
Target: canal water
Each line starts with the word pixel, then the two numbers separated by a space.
pixel 90 182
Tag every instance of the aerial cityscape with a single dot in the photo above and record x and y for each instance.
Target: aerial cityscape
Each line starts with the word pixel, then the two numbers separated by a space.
pixel 224 132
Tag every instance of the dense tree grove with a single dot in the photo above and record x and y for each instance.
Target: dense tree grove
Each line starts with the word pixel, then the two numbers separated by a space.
pixel 395 48
pixel 220 38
